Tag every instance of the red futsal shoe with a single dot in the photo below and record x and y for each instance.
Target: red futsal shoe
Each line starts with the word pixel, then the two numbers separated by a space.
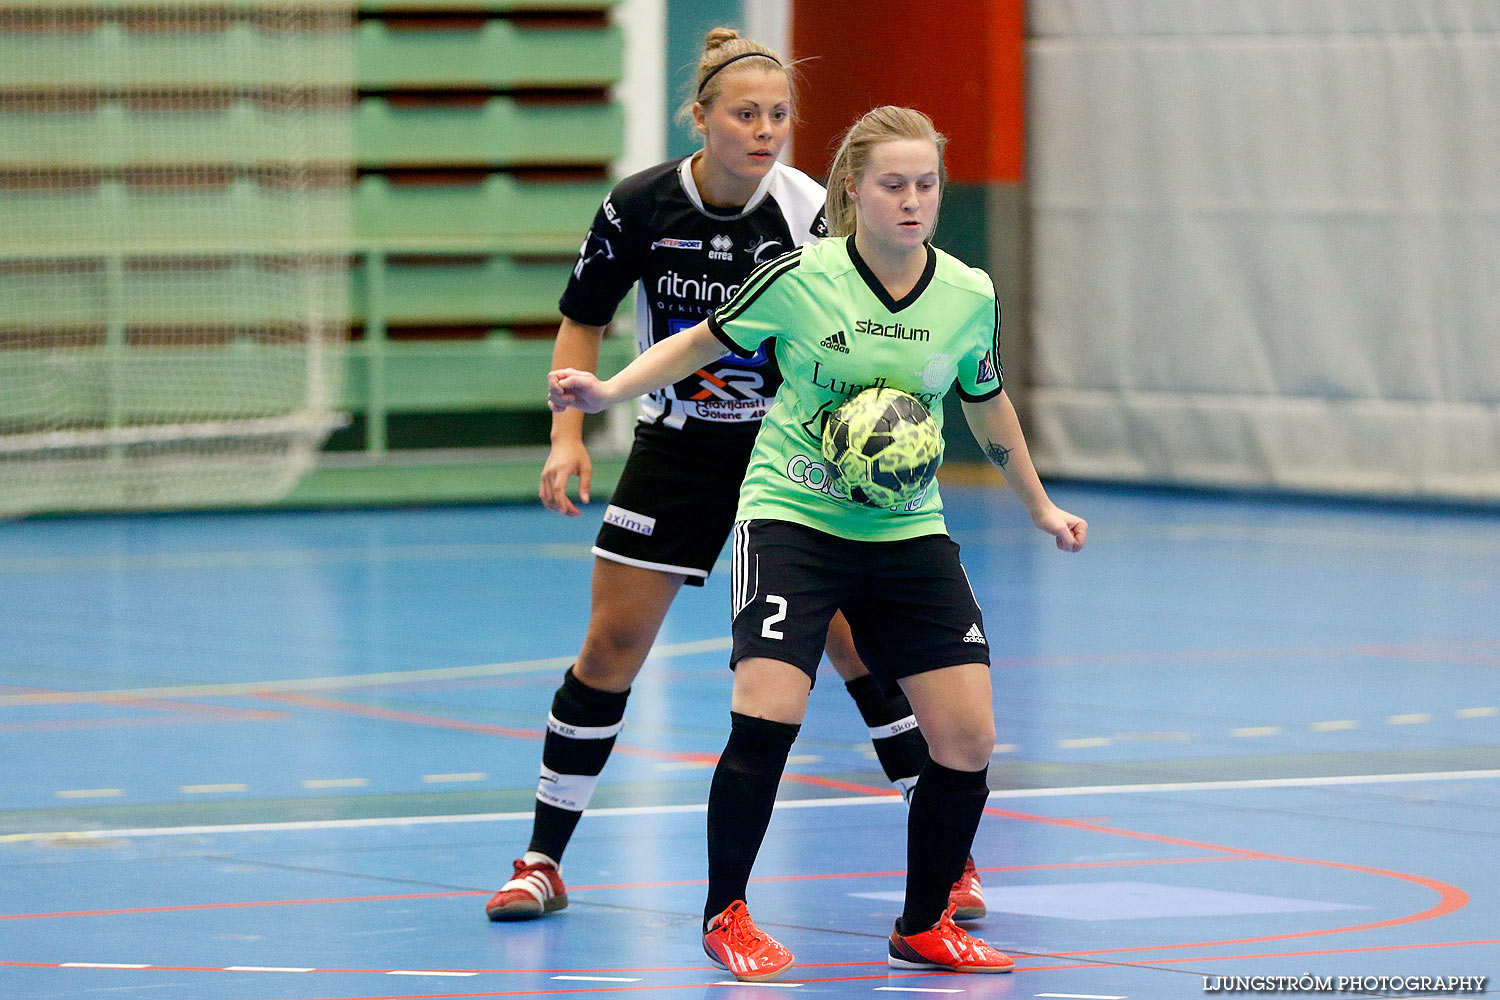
pixel 536 888
pixel 946 947
pixel 733 942
pixel 967 895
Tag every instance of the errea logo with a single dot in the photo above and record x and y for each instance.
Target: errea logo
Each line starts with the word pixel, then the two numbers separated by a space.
pixel 722 245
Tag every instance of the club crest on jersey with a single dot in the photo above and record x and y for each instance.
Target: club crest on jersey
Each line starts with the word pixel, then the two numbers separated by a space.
pixel 722 245
pixel 938 373
pixel 675 244
pixel 835 342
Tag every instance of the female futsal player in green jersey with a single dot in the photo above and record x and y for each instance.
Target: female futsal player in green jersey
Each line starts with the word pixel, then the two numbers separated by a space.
pixel 916 319
pixel 689 231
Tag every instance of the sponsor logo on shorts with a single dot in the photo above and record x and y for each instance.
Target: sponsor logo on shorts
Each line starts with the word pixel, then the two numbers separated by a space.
pixel 974 635
pixel 835 342
pixel 675 244
pixel 629 520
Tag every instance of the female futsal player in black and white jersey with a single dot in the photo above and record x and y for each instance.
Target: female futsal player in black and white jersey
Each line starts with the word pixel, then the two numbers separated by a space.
pixel 689 231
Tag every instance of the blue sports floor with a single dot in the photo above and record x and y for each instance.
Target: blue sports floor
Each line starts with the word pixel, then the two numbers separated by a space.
pixel 286 756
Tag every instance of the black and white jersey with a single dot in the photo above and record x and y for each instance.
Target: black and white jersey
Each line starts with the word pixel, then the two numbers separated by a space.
pixel 654 228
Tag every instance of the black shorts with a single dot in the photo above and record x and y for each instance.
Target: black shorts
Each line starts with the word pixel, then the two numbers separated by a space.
pixel 675 501
pixel 909 603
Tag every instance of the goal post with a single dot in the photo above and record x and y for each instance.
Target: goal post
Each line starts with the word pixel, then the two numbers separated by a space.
pixel 175 228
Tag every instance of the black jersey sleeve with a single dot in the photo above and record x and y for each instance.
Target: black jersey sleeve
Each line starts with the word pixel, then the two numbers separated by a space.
pixel 609 261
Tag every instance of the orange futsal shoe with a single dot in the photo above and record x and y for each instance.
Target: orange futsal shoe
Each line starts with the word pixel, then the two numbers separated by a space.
pixel 946 947
pixel 536 888
pixel 733 942
pixel 967 895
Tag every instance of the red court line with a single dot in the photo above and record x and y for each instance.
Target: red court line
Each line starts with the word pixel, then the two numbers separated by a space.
pixel 1450 897
pixel 132 721
pixel 810 965
pixel 187 907
pixel 461 725
pixel 395 715
pixel 205 713
pixel 884 975
pixel 603 887
pixel 1309 954
pixel 1469 651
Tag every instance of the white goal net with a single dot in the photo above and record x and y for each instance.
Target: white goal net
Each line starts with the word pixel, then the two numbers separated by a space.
pixel 175 225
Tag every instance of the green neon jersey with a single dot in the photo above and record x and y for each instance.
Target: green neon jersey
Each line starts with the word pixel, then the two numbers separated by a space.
pixel 837 331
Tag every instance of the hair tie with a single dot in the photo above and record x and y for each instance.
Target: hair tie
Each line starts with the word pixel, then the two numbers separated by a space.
pixel 733 59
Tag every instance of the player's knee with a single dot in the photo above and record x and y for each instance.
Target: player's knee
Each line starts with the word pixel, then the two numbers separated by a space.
pixel 965 745
pixel 611 657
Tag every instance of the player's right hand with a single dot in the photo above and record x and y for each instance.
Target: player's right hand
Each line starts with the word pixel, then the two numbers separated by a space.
pixel 569 387
pixel 566 460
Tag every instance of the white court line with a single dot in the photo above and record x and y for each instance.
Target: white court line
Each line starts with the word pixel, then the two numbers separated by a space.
pixel 429 972
pixel 698 807
pixel 344 682
pixel 1082 996
pixel 102 965
pixel 912 989
pixel 598 979
pixel 265 968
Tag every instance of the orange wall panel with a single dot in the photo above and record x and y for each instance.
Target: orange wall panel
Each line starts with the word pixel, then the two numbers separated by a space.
pixel 962 62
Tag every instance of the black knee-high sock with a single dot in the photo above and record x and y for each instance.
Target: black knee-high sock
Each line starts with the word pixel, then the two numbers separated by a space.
pixel 899 744
pixel 740 802
pixel 940 827
pixel 581 732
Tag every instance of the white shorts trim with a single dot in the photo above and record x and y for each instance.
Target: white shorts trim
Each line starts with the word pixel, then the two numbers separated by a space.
pixel 702 574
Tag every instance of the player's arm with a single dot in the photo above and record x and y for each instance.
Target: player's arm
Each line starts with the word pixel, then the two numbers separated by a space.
pixel 577 347
pixel 998 430
pixel 670 360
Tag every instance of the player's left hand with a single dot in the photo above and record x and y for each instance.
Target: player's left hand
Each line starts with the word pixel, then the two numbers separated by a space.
pixel 1070 530
pixel 579 389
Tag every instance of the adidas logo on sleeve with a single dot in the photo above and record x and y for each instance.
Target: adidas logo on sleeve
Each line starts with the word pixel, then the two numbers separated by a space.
pixel 974 635
pixel 835 342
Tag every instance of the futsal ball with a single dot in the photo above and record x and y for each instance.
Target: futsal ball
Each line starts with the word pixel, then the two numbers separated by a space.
pixel 884 446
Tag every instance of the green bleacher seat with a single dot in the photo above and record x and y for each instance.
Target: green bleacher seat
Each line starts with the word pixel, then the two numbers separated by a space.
pixel 499 132
pixel 498 55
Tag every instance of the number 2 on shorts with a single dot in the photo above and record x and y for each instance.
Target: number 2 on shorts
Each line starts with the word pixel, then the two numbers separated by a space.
pixel 765 628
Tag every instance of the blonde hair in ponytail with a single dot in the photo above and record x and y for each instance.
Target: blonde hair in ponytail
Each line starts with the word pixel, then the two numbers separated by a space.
pixel 873 127
pixel 720 47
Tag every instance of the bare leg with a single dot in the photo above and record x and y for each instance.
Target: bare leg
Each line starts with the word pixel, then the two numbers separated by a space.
pixel 628 606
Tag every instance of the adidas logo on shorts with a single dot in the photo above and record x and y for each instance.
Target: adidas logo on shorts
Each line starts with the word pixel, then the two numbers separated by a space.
pixel 835 342
pixel 974 635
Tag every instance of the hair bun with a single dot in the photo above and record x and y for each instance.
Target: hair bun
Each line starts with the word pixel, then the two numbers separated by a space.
pixel 718 37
